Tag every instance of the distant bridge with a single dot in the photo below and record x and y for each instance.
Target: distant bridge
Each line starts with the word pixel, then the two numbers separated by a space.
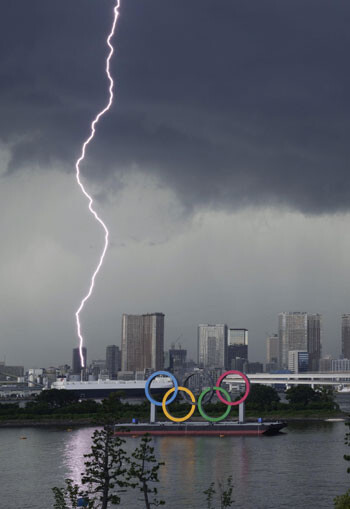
pixel 294 379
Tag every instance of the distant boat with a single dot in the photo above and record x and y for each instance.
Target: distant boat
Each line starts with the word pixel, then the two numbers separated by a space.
pixel 103 388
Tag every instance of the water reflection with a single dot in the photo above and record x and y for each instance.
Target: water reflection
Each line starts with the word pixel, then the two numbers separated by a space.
pixel 78 443
pixel 302 468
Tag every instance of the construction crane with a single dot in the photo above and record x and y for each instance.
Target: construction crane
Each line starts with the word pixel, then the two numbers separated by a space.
pixel 175 342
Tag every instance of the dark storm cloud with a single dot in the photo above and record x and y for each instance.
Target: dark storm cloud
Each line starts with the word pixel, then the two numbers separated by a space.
pixel 229 102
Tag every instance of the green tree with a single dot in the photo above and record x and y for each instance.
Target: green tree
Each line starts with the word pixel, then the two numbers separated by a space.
pixel 210 492
pixel 112 404
pixel 67 497
pixel 262 397
pixel 225 494
pixel 56 398
pixel 104 475
pixel 301 395
pixel 342 501
pixel 143 472
pixel 106 468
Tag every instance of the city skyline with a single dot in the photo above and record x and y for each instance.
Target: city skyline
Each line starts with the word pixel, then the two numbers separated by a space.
pixel 243 332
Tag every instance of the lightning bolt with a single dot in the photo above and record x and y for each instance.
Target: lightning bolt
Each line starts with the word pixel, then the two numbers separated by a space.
pixel 87 195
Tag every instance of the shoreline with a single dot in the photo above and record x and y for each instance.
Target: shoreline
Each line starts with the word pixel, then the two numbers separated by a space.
pixel 90 422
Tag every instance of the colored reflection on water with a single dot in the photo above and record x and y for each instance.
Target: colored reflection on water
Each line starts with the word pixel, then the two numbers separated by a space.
pixel 303 467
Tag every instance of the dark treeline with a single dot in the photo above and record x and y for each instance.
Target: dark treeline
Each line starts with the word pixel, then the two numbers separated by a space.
pixel 262 401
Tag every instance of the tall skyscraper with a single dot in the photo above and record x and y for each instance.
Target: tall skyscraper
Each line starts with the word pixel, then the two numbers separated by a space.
pixel 113 360
pixel 272 349
pixel 142 342
pixel 76 362
pixel 314 340
pixel 237 337
pixel 212 346
pixel 292 331
pixel 345 336
pixel 237 346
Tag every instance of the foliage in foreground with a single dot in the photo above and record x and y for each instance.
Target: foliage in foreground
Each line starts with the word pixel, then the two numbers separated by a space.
pixel 143 472
pixel 109 472
pixel 343 501
pixel 224 497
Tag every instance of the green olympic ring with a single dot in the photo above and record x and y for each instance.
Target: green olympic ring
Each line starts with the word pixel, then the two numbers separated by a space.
pixel 201 411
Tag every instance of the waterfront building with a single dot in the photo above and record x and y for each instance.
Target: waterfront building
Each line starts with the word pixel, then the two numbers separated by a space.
pixel 340 365
pixel 126 375
pixel 142 342
pixel 97 369
pixel 345 335
pixel 35 377
pixel 271 367
pixel 10 372
pixel 76 362
pixel 49 376
pixel 272 350
pixel 292 331
pixel 63 370
pixel 298 361
pixel 253 367
pixel 314 340
pixel 113 360
pixel 212 346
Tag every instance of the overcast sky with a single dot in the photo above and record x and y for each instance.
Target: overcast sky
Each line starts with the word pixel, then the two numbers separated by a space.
pixel 222 169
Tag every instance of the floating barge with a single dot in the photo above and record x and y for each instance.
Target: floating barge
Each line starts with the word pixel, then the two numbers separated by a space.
pixel 194 428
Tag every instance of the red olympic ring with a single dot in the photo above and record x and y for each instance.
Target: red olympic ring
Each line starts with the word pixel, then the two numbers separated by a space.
pixel 247 387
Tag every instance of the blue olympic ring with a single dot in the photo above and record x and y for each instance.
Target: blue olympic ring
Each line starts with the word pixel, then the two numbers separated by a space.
pixel 148 383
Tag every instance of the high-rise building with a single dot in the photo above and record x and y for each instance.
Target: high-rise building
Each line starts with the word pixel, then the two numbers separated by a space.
pixel 272 349
pixel 177 358
pixel 142 342
pixel 292 331
pixel 298 361
pixel 113 360
pixel 314 340
pixel 76 363
pixel 237 337
pixel 237 345
pixel 345 335
pixel 212 346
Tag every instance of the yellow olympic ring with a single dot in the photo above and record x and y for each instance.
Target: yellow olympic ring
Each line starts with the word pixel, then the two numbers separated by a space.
pixel 178 419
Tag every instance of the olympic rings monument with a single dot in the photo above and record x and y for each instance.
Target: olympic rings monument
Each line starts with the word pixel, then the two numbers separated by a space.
pixel 209 425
